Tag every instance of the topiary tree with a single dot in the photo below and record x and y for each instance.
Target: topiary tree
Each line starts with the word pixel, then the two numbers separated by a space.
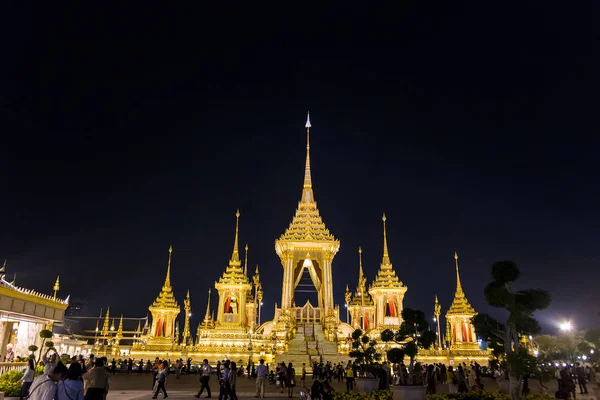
pixel 395 355
pixel 364 348
pixel 414 333
pixel 33 348
pixel 520 306
pixel 44 334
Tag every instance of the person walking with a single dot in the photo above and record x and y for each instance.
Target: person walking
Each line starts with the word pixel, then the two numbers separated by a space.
pixel 261 377
pixel 204 379
pixel 224 381
pixel 161 380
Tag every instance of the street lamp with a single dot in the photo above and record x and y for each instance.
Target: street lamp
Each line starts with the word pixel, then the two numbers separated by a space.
pixel 566 326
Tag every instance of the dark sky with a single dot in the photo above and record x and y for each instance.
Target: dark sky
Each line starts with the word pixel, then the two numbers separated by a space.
pixel 126 130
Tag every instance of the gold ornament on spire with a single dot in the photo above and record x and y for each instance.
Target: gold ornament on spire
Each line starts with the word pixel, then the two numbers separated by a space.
pixel 105 327
pixel 235 256
pixel 386 255
pixel 56 287
pixel 361 296
pixel 246 260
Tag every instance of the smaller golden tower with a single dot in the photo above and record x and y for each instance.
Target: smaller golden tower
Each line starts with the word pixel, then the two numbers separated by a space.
pixel 187 336
pixel 233 288
pixel 387 290
pixel 361 307
pixel 458 319
pixel 106 325
pixel 164 312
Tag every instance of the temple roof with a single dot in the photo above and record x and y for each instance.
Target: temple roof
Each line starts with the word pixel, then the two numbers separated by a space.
pixel 234 273
pixel 361 296
pixel 386 276
pixel 460 304
pixel 307 224
pixel 166 298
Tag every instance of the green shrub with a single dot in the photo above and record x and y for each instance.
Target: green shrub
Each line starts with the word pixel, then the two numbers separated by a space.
pixel 356 395
pixel 483 396
pixel 9 383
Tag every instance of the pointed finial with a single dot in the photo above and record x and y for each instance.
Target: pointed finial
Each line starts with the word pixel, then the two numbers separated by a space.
pixel 436 299
pixel 121 324
pixel 56 287
pixel 360 273
pixel 188 294
pixel 235 256
pixel 246 260
pixel 14 281
pixel 307 193
pixel 3 269
pixel 207 315
pixel 386 256
pixel 168 277
pixel 459 289
pixel 256 271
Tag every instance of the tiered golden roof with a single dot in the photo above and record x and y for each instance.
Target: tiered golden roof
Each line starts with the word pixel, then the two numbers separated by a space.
pixel 307 224
pixel 460 304
pixel 386 277
pixel 234 274
pixel 361 296
pixel 166 298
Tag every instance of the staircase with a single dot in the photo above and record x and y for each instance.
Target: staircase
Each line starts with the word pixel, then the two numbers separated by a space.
pixel 310 345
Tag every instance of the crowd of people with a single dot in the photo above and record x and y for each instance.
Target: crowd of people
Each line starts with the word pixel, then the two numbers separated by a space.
pixel 79 379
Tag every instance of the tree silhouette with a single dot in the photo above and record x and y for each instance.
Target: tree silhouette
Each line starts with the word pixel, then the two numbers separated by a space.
pixel 520 306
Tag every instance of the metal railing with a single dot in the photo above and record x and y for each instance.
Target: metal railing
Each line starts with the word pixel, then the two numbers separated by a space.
pixel 11 366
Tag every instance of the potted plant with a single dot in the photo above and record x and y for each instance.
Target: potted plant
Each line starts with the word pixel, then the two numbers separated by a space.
pixel 364 350
pixel 413 334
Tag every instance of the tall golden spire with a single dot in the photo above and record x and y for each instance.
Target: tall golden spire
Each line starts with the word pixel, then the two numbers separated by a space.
pixel 120 330
pixel 361 296
pixel 386 255
pixel 105 327
pixel 307 192
pixel 56 287
pixel 459 289
pixel 168 278
pixel 246 260
pixel 360 268
pixel 165 298
pixel 460 304
pixel 207 315
pixel 235 256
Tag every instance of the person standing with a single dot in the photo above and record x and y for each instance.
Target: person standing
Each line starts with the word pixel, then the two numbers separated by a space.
pixel 178 367
pixel 95 381
pixel 232 380
pixel 303 378
pixel 581 379
pixel 349 377
pixel 290 379
pixel 224 381
pixel 261 377
pixel 27 379
pixel 204 379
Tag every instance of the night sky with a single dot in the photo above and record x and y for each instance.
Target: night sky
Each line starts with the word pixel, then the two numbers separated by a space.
pixel 126 130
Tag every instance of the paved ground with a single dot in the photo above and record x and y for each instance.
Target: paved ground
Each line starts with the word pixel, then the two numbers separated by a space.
pixel 138 387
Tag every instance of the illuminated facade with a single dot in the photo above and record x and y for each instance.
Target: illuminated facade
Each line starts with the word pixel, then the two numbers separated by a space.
pixel 461 339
